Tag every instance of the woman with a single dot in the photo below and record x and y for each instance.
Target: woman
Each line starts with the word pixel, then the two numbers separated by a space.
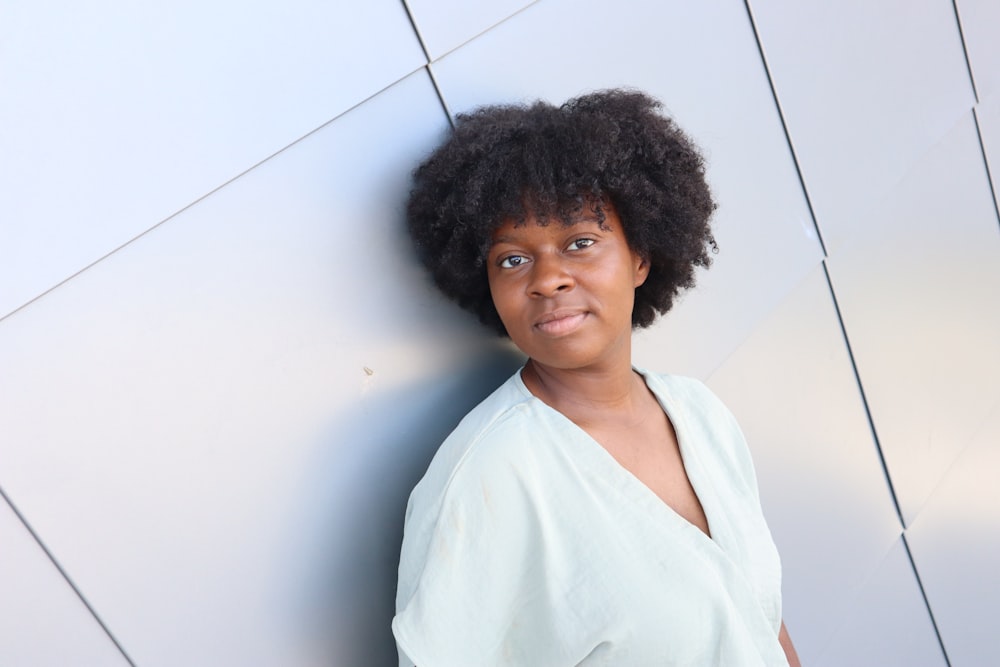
pixel 587 512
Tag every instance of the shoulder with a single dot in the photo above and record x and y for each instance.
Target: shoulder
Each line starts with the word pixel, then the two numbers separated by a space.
pixel 486 433
pixel 688 389
pixel 698 403
pixel 705 419
pixel 470 526
pixel 490 452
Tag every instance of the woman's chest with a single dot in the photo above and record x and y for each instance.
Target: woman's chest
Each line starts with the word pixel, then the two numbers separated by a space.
pixel 656 601
pixel 651 454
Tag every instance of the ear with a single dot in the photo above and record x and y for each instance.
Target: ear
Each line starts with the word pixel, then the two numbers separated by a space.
pixel 641 269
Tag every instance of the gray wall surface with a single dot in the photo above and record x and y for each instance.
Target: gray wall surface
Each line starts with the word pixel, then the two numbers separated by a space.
pixel 221 369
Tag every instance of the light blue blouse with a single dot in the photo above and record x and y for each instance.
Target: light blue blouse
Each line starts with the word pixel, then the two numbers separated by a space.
pixel 527 543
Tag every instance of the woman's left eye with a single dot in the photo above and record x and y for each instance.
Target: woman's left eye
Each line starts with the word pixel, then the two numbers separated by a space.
pixel 580 244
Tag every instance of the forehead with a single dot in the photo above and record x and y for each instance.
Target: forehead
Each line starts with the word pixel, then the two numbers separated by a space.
pixel 512 228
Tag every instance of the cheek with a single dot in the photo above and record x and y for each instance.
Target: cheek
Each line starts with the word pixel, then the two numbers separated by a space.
pixel 494 288
pixel 501 299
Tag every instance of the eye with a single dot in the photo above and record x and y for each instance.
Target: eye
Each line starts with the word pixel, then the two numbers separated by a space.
pixel 511 261
pixel 580 244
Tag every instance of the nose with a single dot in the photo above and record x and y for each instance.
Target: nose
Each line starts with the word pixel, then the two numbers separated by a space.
pixel 549 276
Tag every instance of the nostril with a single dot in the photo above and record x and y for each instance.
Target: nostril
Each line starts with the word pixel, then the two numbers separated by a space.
pixel 549 276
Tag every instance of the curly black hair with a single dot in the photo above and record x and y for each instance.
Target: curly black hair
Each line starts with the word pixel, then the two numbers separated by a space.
pixel 511 162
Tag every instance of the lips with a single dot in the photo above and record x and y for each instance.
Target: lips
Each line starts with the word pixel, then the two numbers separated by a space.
pixel 560 322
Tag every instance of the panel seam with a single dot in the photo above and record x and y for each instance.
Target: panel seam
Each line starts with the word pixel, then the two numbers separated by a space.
pixel 427 65
pixel 965 51
pixel 121 246
pixel 416 30
pixel 836 305
pixel 476 35
pixel 66 577
pixel 826 270
pixel 885 467
pixel 864 397
pixel 784 126
pixel 986 163
pixel 927 602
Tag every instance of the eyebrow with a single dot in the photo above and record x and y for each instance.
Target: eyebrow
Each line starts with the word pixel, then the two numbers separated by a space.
pixel 506 238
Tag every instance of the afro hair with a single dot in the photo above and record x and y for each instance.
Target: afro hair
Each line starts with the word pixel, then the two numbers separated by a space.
pixel 512 162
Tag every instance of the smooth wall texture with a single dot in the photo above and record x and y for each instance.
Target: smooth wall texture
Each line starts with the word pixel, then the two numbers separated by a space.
pixel 221 369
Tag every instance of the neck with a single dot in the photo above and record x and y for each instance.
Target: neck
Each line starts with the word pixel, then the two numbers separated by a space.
pixel 582 394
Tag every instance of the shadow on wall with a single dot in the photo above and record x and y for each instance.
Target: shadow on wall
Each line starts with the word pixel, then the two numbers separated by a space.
pixel 378 454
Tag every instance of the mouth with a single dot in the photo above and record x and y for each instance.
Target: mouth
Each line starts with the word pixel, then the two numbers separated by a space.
pixel 560 322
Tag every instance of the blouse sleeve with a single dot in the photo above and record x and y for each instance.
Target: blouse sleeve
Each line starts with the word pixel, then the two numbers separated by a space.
pixel 472 575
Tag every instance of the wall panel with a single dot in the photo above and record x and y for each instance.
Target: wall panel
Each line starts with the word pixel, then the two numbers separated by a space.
pixel 866 88
pixel 115 116
pixel 915 290
pixel 955 543
pixel 888 622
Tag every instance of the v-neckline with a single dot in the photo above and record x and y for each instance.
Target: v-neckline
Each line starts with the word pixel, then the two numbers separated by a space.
pixel 689 459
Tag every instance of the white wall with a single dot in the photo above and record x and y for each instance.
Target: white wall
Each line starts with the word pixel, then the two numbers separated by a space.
pixel 221 369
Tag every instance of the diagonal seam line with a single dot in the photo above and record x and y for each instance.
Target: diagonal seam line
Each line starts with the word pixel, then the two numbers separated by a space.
pixel 416 30
pixel 965 51
pixel 864 397
pixel 836 305
pixel 208 194
pixel 66 577
pixel 440 96
pixel 923 594
pixel 881 457
pixel 826 270
pixel 986 163
pixel 470 39
pixel 431 61
pixel 784 127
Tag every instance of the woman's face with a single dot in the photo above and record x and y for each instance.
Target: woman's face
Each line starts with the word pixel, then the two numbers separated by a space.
pixel 565 293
